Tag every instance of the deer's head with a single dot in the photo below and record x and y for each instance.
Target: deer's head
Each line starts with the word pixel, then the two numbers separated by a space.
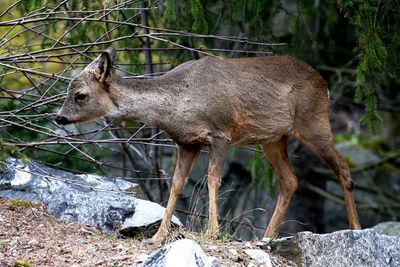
pixel 88 95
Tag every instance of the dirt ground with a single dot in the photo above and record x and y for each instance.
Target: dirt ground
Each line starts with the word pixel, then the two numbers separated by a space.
pixel 30 236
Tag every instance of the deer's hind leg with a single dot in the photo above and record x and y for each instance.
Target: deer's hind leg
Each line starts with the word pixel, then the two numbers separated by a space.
pixel 316 134
pixel 276 154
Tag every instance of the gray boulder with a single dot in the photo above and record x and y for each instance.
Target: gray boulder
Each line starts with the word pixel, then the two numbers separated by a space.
pixel 107 203
pixel 342 248
pixel 181 253
pixel 388 228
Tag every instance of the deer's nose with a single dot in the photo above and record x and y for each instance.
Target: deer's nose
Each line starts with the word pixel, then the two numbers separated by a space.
pixel 61 120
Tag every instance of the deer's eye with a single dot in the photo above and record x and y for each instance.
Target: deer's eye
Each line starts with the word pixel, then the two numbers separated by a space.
pixel 80 97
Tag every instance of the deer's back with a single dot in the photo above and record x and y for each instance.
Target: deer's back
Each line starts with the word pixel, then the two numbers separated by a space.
pixel 247 100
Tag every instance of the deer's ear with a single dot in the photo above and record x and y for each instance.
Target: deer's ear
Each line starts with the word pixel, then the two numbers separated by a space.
pixel 101 66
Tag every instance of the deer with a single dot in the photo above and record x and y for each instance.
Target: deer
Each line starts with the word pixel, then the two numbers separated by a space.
pixel 217 103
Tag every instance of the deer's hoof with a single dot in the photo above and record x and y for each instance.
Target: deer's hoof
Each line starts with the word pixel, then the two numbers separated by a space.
pixel 160 236
pixel 212 233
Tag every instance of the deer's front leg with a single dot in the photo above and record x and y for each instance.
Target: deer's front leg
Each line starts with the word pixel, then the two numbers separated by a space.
pixel 185 160
pixel 218 151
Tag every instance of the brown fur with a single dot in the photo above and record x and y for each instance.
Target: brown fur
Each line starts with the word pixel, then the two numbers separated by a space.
pixel 218 103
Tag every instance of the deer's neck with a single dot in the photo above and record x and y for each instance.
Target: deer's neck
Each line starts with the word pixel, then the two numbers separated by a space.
pixel 147 100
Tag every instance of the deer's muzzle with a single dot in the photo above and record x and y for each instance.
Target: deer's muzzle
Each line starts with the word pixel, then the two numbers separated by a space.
pixel 61 120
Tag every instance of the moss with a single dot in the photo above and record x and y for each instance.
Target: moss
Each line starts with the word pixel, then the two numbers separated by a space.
pixel 110 236
pixel 225 236
pixel 362 141
pixel 349 161
pixel 20 204
pixel 20 263
pixel 389 167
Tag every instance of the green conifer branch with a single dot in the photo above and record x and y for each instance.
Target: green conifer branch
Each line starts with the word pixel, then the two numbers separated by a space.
pixel 199 24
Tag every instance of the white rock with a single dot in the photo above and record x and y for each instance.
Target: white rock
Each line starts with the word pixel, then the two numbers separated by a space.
pixel 21 177
pixel 181 253
pixel 248 245
pixel 66 248
pixel 121 247
pixel 233 252
pixel 87 232
pixel 266 239
pixel 142 216
pixel 92 250
pixel 259 256
pixel 214 261
pixel 33 242
pixel 141 258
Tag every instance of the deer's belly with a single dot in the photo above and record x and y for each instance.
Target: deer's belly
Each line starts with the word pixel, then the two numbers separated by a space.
pixel 263 129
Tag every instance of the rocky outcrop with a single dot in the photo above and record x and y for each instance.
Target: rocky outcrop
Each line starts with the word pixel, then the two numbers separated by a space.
pixel 343 248
pixel 107 203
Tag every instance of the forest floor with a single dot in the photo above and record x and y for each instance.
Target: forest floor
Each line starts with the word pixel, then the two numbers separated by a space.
pixel 30 236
